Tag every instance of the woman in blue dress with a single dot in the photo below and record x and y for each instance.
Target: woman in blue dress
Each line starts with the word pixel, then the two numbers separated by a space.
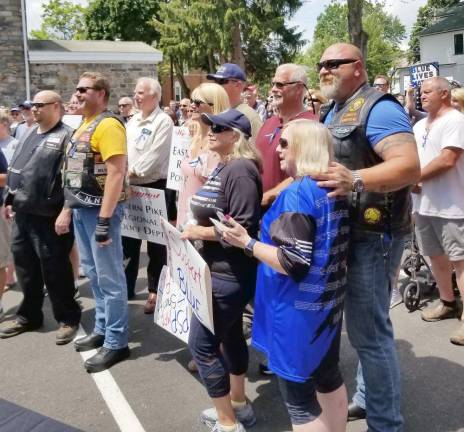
pixel 301 282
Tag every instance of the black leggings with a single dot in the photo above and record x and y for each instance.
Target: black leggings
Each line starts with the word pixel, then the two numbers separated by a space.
pixel 224 352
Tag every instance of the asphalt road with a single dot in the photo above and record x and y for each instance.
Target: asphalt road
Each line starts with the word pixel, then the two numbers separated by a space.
pixel 164 397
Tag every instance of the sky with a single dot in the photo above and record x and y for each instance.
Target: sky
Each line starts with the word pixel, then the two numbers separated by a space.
pixel 305 19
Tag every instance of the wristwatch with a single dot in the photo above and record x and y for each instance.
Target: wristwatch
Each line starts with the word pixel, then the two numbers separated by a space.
pixel 249 248
pixel 358 184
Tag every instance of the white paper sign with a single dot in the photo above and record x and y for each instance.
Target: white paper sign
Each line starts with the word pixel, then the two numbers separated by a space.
pixel 142 213
pixel 173 312
pixel 189 273
pixel 72 120
pixel 179 150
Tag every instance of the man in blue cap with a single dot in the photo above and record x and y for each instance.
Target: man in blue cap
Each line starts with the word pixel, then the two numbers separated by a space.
pixel 232 78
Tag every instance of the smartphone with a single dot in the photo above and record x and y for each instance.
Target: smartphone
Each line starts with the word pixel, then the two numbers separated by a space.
pixel 222 218
pixel 216 223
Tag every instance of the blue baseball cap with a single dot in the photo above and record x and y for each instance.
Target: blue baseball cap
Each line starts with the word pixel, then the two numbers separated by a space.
pixel 228 71
pixel 27 104
pixel 231 118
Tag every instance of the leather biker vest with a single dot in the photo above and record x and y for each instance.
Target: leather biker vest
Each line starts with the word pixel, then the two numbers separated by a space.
pixel 369 211
pixel 85 171
pixel 40 190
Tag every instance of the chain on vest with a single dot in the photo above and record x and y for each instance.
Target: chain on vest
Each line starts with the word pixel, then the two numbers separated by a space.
pixel 371 211
pixel 85 171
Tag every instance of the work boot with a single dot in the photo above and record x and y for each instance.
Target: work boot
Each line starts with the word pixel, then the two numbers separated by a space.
pixel 440 312
pixel 90 342
pixel 66 333
pixel 16 327
pixel 245 415
pixel 105 358
pixel 457 338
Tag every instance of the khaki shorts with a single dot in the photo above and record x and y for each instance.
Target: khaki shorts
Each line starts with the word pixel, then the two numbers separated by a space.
pixel 5 234
pixel 440 236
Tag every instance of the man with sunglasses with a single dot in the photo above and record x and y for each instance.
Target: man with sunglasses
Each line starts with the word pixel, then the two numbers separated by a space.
pixel 377 162
pixel 35 193
pixel 126 108
pixel 288 93
pixel 232 78
pixel 94 181
pixel 183 109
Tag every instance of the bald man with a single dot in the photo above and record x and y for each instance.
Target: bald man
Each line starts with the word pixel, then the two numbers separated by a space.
pixel 35 194
pixel 377 161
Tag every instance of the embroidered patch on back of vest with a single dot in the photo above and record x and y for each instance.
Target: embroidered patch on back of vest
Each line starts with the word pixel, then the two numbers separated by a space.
pixel 372 216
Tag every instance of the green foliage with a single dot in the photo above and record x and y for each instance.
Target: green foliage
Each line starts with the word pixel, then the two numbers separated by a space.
pixel 122 19
pixel 425 17
pixel 61 20
pixel 201 33
pixel 384 30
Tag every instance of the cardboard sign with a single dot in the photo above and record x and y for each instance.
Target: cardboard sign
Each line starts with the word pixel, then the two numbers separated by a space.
pixel 189 274
pixel 419 73
pixel 142 214
pixel 179 150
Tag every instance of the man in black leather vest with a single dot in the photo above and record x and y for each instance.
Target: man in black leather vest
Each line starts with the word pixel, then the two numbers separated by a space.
pixel 36 196
pixel 377 161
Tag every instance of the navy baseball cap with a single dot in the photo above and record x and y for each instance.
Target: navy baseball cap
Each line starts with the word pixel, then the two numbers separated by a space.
pixel 15 109
pixel 231 118
pixel 228 71
pixel 27 104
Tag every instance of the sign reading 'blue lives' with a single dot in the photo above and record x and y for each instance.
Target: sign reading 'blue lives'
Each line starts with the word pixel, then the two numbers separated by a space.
pixel 419 73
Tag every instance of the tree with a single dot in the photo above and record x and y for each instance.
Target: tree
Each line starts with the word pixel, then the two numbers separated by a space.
pixel 384 31
pixel 61 20
pixel 425 16
pixel 358 36
pixel 205 33
pixel 122 19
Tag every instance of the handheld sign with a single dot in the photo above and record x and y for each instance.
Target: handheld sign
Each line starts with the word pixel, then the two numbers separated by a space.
pixel 179 150
pixel 142 214
pixel 419 73
pixel 189 274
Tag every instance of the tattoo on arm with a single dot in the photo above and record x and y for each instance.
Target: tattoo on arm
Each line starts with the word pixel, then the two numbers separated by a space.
pixel 390 141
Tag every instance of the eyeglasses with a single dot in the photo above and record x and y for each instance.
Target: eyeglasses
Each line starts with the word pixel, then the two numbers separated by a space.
pixel 281 85
pixel 83 90
pixel 283 143
pixel 41 104
pixel 333 64
pixel 217 129
pixel 198 102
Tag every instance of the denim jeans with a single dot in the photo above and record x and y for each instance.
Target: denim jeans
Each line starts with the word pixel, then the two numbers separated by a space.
pixel 373 260
pixel 103 265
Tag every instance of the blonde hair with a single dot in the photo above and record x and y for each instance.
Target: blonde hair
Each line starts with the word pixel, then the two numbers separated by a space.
pixel 311 144
pixel 209 93
pixel 5 117
pixel 244 149
pixel 458 94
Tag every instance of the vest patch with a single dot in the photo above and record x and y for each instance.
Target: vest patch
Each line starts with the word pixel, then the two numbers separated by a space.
pixel 356 104
pixel 372 215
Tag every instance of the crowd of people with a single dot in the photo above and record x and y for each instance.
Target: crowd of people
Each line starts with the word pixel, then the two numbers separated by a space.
pixel 315 190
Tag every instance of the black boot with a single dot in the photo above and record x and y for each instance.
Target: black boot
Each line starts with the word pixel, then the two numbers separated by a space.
pixel 105 358
pixel 92 341
pixel 355 412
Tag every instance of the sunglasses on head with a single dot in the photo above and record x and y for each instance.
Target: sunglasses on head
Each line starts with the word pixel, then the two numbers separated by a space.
pixel 333 64
pixel 281 85
pixel 217 129
pixel 198 102
pixel 83 90
pixel 41 104
pixel 283 143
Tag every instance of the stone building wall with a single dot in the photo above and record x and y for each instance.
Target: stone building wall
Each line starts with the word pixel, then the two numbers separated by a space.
pixel 63 78
pixel 12 68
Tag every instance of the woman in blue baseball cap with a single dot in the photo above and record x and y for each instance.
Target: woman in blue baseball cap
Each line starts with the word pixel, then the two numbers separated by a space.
pixel 234 188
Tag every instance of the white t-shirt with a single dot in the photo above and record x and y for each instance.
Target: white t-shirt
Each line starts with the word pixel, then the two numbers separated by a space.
pixel 443 195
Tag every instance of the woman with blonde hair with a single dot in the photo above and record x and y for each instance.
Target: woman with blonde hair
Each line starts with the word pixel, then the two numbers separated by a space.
pixel 457 99
pixel 234 188
pixel 301 282
pixel 206 98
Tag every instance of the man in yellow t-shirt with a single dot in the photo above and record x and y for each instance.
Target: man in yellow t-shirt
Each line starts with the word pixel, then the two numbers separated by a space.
pixel 95 170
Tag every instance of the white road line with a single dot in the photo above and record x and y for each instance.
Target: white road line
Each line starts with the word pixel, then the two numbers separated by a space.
pixel 113 396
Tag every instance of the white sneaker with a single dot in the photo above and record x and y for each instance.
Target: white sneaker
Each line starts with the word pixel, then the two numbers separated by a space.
pixel 396 298
pixel 218 428
pixel 245 416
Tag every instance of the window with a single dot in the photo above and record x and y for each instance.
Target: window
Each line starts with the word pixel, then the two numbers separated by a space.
pixel 458 44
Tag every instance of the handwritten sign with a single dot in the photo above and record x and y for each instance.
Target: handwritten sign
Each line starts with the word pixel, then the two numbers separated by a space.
pixel 179 149
pixel 189 274
pixel 419 73
pixel 142 214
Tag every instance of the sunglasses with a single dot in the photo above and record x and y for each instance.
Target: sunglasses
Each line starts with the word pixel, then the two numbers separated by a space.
pixel 123 105
pixel 198 102
pixel 83 90
pixel 281 85
pixel 283 143
pixel 380 84
pixel 217 129
pixel 224 81
pixel 333 64
pixel 184 106
pixel 41 104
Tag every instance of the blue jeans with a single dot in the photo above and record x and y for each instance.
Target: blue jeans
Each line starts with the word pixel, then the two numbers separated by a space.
pixel 373 260
pixel 103 265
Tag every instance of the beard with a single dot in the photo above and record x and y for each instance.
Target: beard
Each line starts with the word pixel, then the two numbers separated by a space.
pixel 330 86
